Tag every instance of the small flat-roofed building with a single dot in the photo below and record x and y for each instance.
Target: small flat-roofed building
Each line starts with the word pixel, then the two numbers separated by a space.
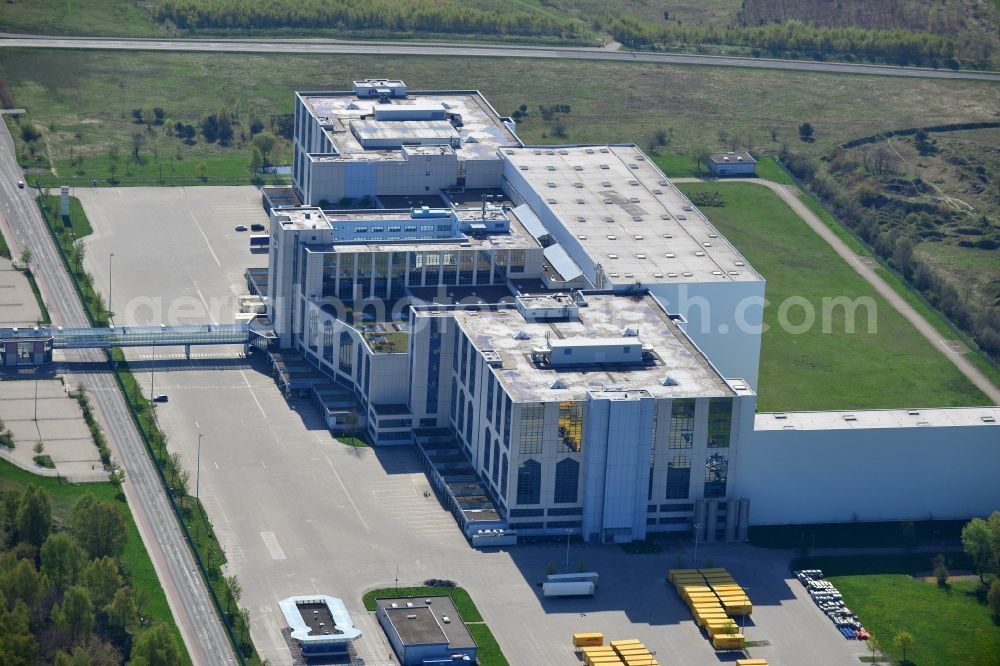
pixel 320 625
pixel 425 631
pixel 732 164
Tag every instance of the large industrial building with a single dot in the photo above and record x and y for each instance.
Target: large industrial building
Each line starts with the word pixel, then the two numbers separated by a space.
pixel 569 342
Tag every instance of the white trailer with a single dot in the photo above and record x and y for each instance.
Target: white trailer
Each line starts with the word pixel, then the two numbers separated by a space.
pixel 568 589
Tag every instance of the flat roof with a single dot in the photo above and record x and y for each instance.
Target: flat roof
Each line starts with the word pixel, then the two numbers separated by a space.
pixel 604 317
pixel 422 622
pixel 481 134
pixel 301 218
pixel 879 418
pixel 732 158
pixel 627 216
pixel 402 131
pixel 304 623
pixel 517 238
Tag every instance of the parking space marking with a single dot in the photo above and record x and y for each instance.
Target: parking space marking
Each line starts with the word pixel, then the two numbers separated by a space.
pixel 252 394
pixel 271 543
pixel 209 245
pixel 350 499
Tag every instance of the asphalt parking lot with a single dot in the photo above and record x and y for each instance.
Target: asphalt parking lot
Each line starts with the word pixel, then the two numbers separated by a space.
pixel 298 512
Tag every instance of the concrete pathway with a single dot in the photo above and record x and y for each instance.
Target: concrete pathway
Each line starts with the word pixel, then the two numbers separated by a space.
pixel 790 195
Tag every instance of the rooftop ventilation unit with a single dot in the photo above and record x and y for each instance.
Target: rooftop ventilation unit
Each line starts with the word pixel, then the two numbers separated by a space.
pixel 630 331
pixel 668 381
pixel 557 384
pixel 522 335
pixel 850 417
pixel 492 358
pixel 988 419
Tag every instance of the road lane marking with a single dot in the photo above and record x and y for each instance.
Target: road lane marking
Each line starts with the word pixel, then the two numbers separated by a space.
pixel 271 543
pixel 209 245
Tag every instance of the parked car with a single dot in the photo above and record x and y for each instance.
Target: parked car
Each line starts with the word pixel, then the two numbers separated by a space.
pixel 241 227
pixel 162 397
pixel 257 227
pixel 20 184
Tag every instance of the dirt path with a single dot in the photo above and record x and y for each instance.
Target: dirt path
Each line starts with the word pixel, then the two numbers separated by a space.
pixel 790 195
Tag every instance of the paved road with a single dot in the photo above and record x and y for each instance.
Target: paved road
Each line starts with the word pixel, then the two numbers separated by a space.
pixel 186 592
pixel 321 46
pixel 790 195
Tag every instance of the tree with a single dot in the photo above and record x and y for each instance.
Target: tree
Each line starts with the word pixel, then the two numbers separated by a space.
pixel 155 647
pixel 210 128
pixel 62 560
pixel 34 516
pixel 256 160
pixel 22 583
pixel 225 127
pixel 38 447
pixel 976 540
pixel 201 170
pixel 138 139
pixel 806 132
pixel 264 142
pixel 90 652
pixel 102 580
pixel 18 647
pixel 123 611
pixel 148 117
pixel 235 592
pixel 99 525
pixel 903 641
pixel 26 258
pixel 76 613
pixel 940 569
pixel 993 599
pixel 873 647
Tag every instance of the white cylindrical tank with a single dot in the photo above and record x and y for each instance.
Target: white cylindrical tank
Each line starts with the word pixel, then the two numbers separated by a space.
pixel 713 519
pixel 743 531
pixel 731 520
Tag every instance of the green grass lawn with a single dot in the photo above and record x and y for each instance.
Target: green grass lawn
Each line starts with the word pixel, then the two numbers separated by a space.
pixel 768 168
pixel 134 558
pixel 83 101
pixel 892 367
pixel 106 18
pixel 949 626
pixel 489 653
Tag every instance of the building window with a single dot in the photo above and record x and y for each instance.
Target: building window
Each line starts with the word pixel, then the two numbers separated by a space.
pixel 532 427
pixel 567 481
pixel 503 478
pixel 682 424
pixel 678 477
pixel 346 355
pixel 486 452
pixel 529 482
pixel 720 422
pixel 496 462
pixel 716 473
pixel 570 427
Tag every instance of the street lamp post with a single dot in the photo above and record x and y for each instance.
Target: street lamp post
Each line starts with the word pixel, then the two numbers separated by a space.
pixel 197 476
pixel 568 532
pixel 110 257
pixel 697 528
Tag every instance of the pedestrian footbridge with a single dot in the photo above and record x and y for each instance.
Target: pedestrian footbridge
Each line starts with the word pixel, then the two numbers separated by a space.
pixel 33 345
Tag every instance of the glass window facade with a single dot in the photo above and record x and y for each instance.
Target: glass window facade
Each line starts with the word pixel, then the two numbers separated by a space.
pixel 682 424
pixel 720 422
pixel 529 482
pixel 678 477
pixel 532 428
pixel 570 427
pixel 567 481
pixel 716 475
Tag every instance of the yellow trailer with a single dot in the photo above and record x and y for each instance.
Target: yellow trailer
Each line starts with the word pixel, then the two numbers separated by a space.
pixel 751 662
pixel 625 642
pixel 727 642
pixel 673 573
pixel 588 639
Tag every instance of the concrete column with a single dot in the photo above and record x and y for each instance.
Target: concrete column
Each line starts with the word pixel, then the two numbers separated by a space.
pixel 731 520
pixel 699 520
pixel 743 531
pixel 713 519
pixel 187 352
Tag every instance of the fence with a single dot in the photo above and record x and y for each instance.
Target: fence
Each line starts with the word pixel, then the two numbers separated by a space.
pixel 230 630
